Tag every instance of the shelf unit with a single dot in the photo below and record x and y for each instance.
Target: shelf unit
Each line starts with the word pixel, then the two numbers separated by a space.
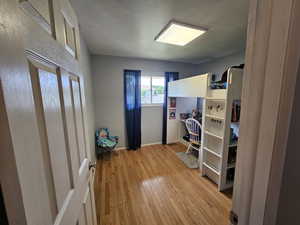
pixel 211 168
pixel 214 135
pixel 214 117
pixel 217 114
pixel 212 152
pixel 172 123
pixel 233 145
pixel 216 122
pixel 232 165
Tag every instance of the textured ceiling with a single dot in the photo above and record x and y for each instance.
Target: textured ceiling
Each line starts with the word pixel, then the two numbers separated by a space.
pixel 128 27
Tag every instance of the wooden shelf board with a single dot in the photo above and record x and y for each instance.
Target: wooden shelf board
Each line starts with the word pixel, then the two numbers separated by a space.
pixel 212 152
pixel 214 117
pixel 231 165
pixel 211 168
pixel 216 99
pixel 233 145
pixel 214 135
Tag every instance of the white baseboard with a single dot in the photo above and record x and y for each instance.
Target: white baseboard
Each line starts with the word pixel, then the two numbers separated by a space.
pixel 120 148
pixel 155 143
pixel 143 145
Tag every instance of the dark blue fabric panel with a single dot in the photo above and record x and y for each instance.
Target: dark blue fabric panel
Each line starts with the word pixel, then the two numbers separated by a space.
pixel 132 100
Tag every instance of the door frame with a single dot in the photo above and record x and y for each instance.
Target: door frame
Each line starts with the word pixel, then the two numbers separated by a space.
pixel 271 65
pixel 273 51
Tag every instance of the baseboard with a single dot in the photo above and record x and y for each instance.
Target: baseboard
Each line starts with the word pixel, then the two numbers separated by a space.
pixel 143 145
pixel 155 143
pixel 120 148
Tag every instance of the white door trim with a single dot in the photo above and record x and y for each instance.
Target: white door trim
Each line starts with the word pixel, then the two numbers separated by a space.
pixel 272 58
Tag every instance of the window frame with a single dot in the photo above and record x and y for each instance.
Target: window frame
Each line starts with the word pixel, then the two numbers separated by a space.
pixel 153 104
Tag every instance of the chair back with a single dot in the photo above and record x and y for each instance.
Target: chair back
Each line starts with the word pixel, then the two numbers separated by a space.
pixel 194 129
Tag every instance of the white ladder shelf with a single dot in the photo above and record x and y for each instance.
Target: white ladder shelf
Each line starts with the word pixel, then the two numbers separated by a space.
pixel 217 114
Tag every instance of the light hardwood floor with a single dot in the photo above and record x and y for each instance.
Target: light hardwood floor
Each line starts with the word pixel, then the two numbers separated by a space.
pixel 152 186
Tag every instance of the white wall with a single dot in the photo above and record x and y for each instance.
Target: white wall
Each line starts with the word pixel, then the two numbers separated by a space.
pixel 108 93
pixel 151 124
pixel 185 105
pixel 85 66
pixel 218 66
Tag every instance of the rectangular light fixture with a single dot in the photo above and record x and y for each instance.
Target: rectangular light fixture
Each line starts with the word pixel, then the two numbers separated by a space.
pixel 176 33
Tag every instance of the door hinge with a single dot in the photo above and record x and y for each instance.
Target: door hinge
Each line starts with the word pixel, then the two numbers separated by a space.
pixel 234 219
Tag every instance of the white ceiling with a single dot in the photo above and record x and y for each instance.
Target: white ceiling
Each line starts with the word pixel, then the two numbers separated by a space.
pixel 128 27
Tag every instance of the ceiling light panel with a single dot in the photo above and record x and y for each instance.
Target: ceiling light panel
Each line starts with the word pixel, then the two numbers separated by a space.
pixel 179 34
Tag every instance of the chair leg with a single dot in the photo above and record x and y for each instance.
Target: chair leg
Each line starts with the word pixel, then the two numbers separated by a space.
pixel 188 149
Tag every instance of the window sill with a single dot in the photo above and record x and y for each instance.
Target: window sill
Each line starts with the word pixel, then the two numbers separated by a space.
pixel 152 105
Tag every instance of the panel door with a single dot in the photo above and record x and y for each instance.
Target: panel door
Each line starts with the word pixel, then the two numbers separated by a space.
pixel 61 130
pixel 44 165
pixel 38 10
pixel 71 87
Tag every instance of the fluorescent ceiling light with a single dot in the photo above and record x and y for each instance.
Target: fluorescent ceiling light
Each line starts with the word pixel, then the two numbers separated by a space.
pixel 179 34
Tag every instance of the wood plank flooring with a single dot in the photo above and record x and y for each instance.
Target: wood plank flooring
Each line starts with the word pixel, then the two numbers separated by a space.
pixel 152 186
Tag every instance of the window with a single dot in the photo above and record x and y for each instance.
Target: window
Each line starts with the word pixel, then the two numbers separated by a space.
pixel 152 90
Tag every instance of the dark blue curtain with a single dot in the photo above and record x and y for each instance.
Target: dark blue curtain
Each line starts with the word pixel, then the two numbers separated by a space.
pixel 132 100
pixel 169 76
pixel 199 104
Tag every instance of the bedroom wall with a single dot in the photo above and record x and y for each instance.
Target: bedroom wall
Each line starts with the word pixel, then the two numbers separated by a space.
pixel 85 65
pixel 108 93
pixel 219 65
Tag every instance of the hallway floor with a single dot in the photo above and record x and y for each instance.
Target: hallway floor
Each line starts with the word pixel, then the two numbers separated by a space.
pixel 152 186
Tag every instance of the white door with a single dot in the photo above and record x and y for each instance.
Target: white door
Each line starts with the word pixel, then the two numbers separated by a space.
pixel 71 87
pixel 58 104
pixel 44 160
pixel 52 163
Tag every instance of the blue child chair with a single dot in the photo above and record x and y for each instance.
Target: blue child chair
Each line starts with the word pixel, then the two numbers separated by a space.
pixel 105 142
